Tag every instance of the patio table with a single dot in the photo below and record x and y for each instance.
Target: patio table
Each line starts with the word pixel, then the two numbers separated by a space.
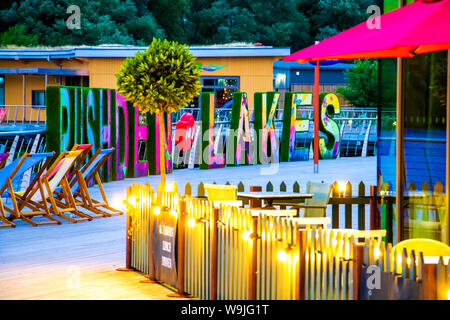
pixel 269 197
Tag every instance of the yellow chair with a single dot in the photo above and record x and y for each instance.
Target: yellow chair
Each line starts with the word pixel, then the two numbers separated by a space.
pixel 217 192
pixel 428 247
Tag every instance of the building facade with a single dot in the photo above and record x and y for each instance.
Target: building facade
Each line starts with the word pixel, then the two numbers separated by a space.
pixel 26 72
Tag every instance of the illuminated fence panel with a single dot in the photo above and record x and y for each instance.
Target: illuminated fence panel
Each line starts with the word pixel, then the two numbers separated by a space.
pixel 328 265
pixel 235 247
pixel 277 258
pixel 229 253
pixel 139 210
pixel 199 220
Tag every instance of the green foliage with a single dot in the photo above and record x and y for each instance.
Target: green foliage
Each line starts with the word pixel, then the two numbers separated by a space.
pixel 105 21
pixel 293 23
pixel 362 88
pixel 162 78
pixel 16 35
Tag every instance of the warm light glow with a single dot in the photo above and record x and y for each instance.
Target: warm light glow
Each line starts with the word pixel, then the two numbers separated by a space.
pixel 132 200
pixel 170 187
pixel 448 295
pixel 399 259
pixel 191 222
pixel 376 253
pixel 117 202
pixel 408 261
pixel 157 210
pixel 246 235
pixel 334 242
pixel 173 212
pixel 341 187
pixel 282 255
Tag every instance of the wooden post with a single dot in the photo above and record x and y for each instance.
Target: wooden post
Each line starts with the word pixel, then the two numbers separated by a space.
pixel 429 287
pixel 300 288
pixel 151 261
pixel 214 257
pixel 253 263
pixel 358 260
pixel 180 256
pixel 374 214
pixel 316 116
pixel 128 238
pixel 447 178
pixel 335 207
pixel 400 155
pixel 255 203
pixel 348 207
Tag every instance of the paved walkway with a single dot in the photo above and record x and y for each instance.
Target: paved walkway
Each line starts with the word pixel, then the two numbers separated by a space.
pixel 78 261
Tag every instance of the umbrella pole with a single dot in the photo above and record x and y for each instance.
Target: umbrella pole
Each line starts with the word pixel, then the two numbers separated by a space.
pixel 447 182
pixel 316 117
pixel 400 155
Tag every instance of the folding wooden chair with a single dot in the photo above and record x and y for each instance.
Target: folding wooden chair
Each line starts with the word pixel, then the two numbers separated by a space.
pixel 79 186
pixel 3 158
pixel 15 170
pixel 39 197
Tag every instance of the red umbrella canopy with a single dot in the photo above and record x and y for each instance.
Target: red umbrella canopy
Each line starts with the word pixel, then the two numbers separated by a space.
pixel 420 27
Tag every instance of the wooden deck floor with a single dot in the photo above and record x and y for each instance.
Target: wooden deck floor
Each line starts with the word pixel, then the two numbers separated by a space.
pixel 71 261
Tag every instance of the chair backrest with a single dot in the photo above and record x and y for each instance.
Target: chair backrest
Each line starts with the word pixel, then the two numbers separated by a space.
pixel 3 158
pixel 64 165
pixel 92 166
pixel 217 192
pixel 321 195
pixel 85 149
pixel 21 165
pixel 428 247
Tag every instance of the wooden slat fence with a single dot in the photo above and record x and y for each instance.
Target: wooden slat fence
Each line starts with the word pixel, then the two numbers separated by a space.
pixel 228 253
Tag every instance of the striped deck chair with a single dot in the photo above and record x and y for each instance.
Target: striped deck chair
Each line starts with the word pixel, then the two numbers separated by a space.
pixel 3 158
pixel 16 169
pixel 79 186
pixel 39 197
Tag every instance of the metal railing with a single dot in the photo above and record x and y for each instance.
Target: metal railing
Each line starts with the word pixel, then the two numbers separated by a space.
pixel 13 115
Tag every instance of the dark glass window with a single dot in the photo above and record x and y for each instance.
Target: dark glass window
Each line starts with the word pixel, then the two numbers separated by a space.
pixel 223 87
pixel 77 81
pixel 38 97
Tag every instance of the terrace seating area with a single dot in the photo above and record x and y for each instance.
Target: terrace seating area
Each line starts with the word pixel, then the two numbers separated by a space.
pixel 40 188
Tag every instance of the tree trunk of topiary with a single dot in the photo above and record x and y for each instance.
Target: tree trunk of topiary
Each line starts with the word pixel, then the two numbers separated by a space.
pixel 162 149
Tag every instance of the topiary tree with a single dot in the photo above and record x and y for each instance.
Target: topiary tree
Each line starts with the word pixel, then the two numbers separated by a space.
pixel 163 78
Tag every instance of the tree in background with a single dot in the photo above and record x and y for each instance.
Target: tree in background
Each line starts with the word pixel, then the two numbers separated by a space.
pixel 162 79
pixel 16 35
pixel 291 23
pixel 105 21
pixel 362 84
pixel 170 15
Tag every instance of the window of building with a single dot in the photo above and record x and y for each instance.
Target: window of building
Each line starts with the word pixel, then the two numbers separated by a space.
pixel 37 97
pixel 77 81
pixel 223 87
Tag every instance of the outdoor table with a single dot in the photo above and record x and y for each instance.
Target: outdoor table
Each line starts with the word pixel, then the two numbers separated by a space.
pixel 269 197
pixel 362 233
pixel 233 203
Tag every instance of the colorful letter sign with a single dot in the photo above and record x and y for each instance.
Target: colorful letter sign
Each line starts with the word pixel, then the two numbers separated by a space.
pixel 208 158
pixel 102 117
pixel 329 147
pixel 239 144
pixel 292 125
pixel 266 104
